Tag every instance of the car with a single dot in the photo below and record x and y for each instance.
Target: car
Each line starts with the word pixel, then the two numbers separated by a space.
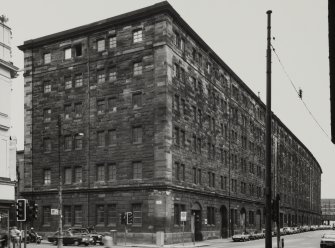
pixel 327 240
pixel 244 236
pixel 256 235
pixel 70 238
pixel 97 238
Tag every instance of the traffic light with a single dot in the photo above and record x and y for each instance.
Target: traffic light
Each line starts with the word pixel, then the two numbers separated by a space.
pixel 35 211
pixel 21 205
pixel 129 217
pixel 123 218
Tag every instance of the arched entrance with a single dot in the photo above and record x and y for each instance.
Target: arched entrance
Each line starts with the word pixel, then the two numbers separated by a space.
pixel 224 222
pixel 243 219
pixel 196 221
pixel 258 220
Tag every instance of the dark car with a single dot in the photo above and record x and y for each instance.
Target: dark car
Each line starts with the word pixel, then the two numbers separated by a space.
pixel 327 240
pixel 70 238
pixel 97 238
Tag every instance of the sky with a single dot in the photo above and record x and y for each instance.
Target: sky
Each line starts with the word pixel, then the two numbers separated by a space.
pixel 236 31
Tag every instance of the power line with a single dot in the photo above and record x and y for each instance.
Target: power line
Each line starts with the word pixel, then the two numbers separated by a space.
pixel 299 92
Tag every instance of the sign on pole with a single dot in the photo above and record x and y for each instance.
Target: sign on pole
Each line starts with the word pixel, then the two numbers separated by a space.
pixel 54 211
pixel 183 216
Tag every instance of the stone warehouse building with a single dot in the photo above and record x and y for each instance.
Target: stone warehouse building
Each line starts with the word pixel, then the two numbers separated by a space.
pixel 168 127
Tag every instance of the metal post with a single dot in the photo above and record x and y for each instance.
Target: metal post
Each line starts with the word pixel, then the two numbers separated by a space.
pixel 60 197
pixel 25 235
pixel 268 236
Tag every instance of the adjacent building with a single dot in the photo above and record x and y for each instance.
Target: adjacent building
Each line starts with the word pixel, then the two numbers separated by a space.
pixel 168 127
pixel 328 211
pixel 7 144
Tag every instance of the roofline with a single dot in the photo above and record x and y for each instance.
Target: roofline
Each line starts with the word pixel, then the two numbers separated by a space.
pixel 161 7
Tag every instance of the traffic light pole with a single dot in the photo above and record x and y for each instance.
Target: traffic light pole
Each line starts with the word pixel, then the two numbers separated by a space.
pixel 268 188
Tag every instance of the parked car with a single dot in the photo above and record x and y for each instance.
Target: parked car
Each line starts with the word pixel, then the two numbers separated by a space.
pixel 289 230
pixel 241 237
pixel 97 238
pixel 327 240
pixel 70 238
pixel 257 235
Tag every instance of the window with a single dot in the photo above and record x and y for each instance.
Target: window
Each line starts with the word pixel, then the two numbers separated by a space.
pixel 194 141
pixel 180 171
pixel 137 170
pixel 101 138
pixel 112 137
pixel 101 76
pixel 137 68
pixel 176 136
pixel 112 104
pixel 47 115
pixel 176 103
pixel 194 113
pixel 67 53
pixel 112 74
pixel 78 109
pixel 78 175
pixel 67 215
pixel 199 176
pixel 67 111
pixel 68 82
pixel 194 174
pixel 100 215
pixel 137 36
pixel 251 218
pixel 221 182
pixel 101 106
pixel 111 214
pixel 78 215
pixel 137 134
pixel 67 176
pixel 47 87
pixel 137 99
pixel 78 80
pixel 177 209
pixel 101 45
pixel 100 173
pixel 46 215
pixel 210 216
pixel 137 213
pixel 112 172
pixel 47 144
pixel 47 177
pixel 47 58
pixel 78 51
pixel 67 142
pixel 183 138
pixel 112 42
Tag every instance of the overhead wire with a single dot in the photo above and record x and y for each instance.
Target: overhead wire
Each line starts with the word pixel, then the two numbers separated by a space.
pixel 296 90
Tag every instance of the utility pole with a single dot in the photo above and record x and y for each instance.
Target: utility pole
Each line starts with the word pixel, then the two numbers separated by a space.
pixel 60 189
pixel 268 188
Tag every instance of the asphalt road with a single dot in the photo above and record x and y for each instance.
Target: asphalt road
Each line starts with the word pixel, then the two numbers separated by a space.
pixel 301 240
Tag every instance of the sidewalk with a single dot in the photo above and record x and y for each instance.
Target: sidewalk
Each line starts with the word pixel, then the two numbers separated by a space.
pixel 178 245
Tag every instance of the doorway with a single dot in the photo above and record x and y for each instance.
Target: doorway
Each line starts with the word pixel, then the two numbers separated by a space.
pixel 196 221
pixel 224 222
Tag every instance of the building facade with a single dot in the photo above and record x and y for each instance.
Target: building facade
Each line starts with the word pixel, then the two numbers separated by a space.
pixel 7 144
pixel 168 127
pixel 328 211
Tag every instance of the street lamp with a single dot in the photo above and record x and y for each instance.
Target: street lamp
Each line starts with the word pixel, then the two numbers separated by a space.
pixel 60 187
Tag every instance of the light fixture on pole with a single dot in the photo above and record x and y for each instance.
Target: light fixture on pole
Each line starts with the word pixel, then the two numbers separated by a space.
pixel 60 182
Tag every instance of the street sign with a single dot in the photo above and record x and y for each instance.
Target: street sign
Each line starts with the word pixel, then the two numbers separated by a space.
pixel 183 215
pixel 54 211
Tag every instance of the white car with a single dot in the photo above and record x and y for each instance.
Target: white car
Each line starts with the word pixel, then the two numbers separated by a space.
pixel 241 237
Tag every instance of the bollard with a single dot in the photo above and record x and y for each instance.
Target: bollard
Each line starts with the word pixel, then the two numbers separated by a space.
pixel 282 243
